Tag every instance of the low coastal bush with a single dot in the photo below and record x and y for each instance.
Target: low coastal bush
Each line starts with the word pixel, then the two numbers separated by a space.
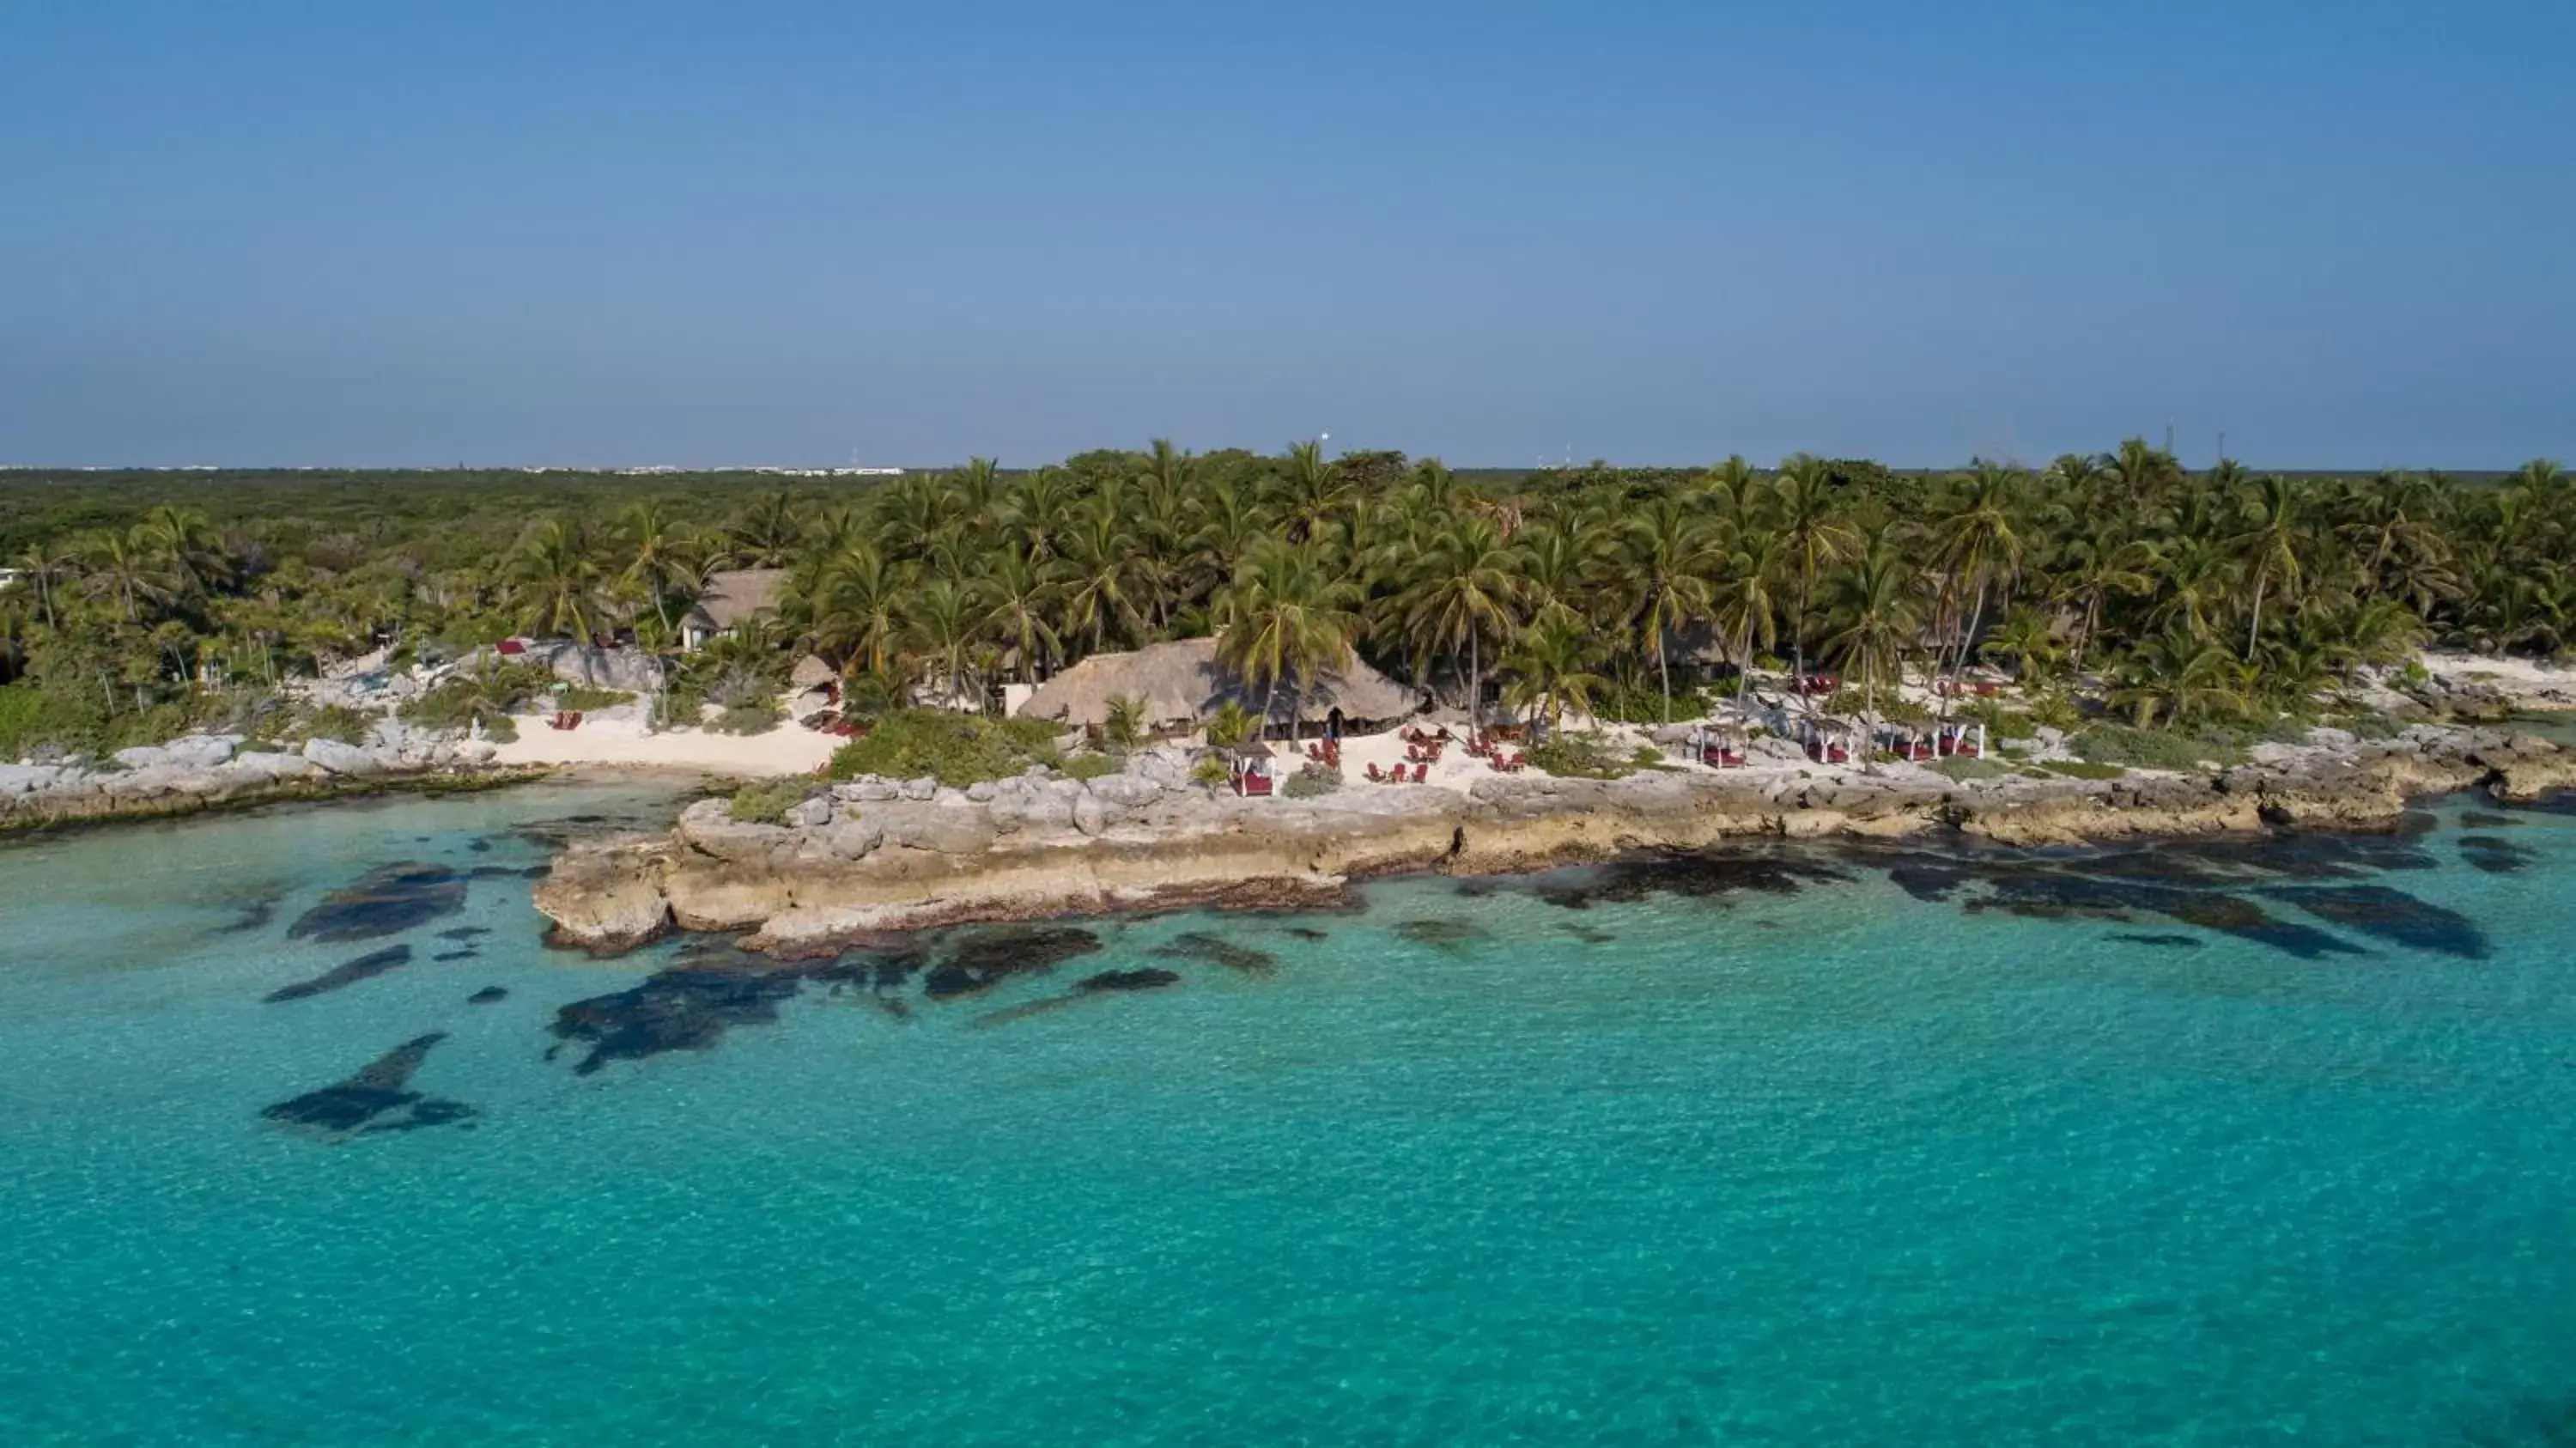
pixel 1618 705
pixel 2081 769
pixel 2153 748
pixel 1968 767
pixel 1090 766
pixel 2000 722
pixel 488 696
pixel 1581 756
pixel 1313 781
pixel 332 721
pixel 1209 771
pixel 21 709
pixel 585 700
pixel 955 749
pixel 756 717
pixel 768 804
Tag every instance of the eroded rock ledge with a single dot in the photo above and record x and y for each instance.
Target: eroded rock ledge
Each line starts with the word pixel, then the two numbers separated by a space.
pixel 880 856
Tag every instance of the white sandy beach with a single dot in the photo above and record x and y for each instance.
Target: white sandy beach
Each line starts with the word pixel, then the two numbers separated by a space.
pixel 624 743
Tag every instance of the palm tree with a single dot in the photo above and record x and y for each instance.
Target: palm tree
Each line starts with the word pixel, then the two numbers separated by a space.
pixel 2274 524
pixel 1288 619
pixel 859 609
pixel 1980 542
pixel 1124 723
pixel 2138 476
pixel 554 581
pixel 1802 513
pixel 1312 492
pixel 1466 587
pixel 1099 560
pixel 768 533
pixel 1872 601
pixel 1744 602
pixel 1545 667
pixel 943 628
pixel 45 564
pixel 1018 595
pixel 1672 553
pixel 127 569
pixel 657 565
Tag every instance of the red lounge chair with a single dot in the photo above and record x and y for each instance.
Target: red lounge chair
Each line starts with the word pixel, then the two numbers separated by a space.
pixel 1986 690
pixel 1374 776
pixel 1421 773
pixel 512 648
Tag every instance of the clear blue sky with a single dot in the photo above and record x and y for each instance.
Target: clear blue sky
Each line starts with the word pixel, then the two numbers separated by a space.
pixel 2343 233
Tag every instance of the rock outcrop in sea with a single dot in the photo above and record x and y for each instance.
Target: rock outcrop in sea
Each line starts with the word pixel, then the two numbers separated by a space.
pixel 880 855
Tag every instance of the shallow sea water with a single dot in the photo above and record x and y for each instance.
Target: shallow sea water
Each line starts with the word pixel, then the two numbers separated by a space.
pixel 1779 1158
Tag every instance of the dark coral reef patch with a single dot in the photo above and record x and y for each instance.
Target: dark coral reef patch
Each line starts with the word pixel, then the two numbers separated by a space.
pixel 385 901
pixel 378 1098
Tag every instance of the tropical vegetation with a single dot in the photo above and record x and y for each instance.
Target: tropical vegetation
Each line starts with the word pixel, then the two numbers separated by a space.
pixel 2119 585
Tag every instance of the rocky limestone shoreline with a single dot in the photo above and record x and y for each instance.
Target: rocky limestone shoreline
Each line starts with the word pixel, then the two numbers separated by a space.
pixel 212 771
pixel 876 856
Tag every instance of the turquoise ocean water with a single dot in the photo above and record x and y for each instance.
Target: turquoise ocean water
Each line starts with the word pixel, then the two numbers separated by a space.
pixel 1800 1149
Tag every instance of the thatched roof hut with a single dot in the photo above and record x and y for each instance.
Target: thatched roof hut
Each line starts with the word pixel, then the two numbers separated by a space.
pixel 730 599
pixel 811 673
pixel 1183 686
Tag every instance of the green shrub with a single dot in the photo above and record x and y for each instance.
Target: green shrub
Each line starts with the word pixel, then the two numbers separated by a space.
pixel 2000 722
pixel 1313 781
pixel 1647 756
pixel 22 710
pixel 2081 769
pixel 1965 767
pixel 1090 766
pixel 955 749
pixel 1580 756
pixel 757 717
pixel 334 721
pixel 486 694
pixel 1209 771
pixel 2154 748
pixel 585 700
pixel 768 804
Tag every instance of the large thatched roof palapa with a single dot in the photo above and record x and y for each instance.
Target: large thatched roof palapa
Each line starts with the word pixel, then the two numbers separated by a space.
pixel 1183 684
pixel 734 596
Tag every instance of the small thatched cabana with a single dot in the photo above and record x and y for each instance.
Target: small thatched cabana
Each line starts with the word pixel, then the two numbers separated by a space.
pixel 732 598
pixel 1183 686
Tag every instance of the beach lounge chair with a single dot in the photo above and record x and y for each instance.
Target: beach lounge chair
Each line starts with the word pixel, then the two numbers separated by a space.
pixel 1421 773
pixel 1375 777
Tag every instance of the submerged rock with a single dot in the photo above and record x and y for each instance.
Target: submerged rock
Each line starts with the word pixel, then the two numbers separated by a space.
pixel 385 901
pixel 1117 980
pixel 2494 856
pixel 487 995
pixel 376 1099
pixel 988 958
pixel 1443 934
pixel 690 1006
pixel 253 915
pixel 1199 945
pixel 2391 915
pixel 1708 876
pixel 348 972
pixel 2168 942
pixel 466 954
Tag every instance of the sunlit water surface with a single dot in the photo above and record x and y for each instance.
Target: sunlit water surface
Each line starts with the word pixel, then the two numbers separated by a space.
pixel 1797 1157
